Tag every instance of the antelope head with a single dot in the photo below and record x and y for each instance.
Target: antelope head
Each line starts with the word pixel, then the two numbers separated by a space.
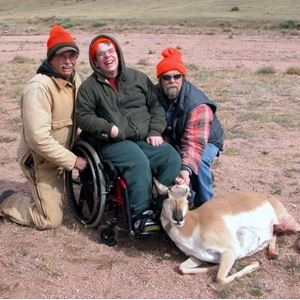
pixel 176 206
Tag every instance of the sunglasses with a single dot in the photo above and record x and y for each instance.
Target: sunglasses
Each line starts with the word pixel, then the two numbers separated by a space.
pixel 168 77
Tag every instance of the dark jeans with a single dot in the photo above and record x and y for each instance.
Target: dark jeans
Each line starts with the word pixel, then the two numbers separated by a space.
pixel 137 163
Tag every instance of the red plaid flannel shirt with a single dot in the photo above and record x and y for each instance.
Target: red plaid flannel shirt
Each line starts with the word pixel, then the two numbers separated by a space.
pixel 195 136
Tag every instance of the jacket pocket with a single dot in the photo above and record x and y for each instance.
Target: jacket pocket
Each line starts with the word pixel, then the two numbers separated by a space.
pixel 27 160
pixel 30 160
pixel 61 131
pixel 61 123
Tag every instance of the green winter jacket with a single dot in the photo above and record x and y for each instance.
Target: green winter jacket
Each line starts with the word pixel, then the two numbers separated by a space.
pixel 134 108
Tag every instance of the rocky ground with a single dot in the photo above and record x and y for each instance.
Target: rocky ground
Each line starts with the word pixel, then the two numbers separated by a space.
pixel 261 120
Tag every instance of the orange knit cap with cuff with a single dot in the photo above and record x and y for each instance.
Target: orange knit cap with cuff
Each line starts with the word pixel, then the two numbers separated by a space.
pixel 59 41
pixel 172 60
pixel 94 46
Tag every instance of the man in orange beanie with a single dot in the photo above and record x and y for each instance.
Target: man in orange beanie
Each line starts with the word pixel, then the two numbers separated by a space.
pixel 119 113
pixel 47 110
pixel 60 41
pixel 192 124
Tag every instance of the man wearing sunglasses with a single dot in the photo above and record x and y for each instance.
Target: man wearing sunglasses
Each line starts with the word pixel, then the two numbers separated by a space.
pixel 192 125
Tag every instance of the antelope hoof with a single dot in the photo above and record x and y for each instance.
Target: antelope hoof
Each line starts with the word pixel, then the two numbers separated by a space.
pixel 273 254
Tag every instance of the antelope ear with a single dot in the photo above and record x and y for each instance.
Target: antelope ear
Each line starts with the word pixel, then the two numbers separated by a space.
pixel 186 188
pixel 188 191
pixel 161 189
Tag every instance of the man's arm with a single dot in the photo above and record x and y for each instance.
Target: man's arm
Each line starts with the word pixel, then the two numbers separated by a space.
pixel 36 118
pixel 86 114
pixel 158 120
pixel 195 137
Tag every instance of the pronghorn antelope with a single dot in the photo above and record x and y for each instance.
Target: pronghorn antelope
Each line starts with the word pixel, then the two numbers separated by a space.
pixel 224 229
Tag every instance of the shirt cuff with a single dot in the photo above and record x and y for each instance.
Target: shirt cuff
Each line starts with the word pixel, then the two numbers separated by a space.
pixel 186 168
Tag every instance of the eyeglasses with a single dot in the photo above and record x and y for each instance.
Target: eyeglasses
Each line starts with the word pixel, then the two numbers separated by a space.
pixel 64 56
pixel 169 77
pixel 110 51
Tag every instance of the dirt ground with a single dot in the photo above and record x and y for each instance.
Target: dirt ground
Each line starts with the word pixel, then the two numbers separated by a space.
pixel 68 262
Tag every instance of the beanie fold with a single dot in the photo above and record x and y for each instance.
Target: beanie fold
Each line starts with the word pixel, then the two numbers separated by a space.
pixel 60 41
pixel 171 61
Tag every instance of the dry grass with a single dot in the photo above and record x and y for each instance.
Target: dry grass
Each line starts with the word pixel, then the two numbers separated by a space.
pixel 260 114
pixel 143 62
pixel 243 114
pixel 119 14
pixel 266 70
pixel 293 71
pixel 19 59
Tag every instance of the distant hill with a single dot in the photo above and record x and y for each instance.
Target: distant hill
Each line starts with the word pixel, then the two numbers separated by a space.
pixel 96 13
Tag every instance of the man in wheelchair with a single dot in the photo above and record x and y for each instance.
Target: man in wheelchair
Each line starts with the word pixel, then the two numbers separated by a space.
pixel 120 116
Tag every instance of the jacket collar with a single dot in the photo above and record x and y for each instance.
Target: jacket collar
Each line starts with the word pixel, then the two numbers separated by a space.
pixel 61 82
pixel 46 69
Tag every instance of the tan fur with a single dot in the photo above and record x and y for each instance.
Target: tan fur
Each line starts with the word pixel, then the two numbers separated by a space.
pixel 205 229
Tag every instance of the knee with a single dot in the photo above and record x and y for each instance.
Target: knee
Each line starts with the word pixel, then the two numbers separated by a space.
pixel 50 221
pixel 139 163
pixel 204 165
pixel 173 157
pixel 55 222
pixel 137 171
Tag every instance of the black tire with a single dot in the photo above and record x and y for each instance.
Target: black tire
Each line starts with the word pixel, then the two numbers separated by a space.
pixel 86 191
pixel 107 235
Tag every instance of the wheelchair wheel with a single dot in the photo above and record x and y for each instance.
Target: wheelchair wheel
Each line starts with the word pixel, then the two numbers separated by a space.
pixel 107 235
pixel 86 190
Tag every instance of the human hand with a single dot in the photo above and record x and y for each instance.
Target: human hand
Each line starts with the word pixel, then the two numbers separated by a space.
pixel 154 140
pixel 183 177
pixel 114 131
pixel 80 163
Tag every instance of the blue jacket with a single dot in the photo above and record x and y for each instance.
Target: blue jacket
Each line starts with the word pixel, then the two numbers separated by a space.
pixel 189 98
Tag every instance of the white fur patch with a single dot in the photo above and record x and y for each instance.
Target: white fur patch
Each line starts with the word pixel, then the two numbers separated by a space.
pixel 192 246
pixel 251 230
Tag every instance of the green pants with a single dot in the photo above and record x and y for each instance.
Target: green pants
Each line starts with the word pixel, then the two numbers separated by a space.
pixel 137 163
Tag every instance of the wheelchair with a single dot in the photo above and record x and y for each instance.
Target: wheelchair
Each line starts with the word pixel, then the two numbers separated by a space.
pixel 98 196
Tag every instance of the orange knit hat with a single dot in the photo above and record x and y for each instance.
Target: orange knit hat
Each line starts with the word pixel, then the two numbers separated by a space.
pixel 59 41
pixel 171 61
pixel 95 44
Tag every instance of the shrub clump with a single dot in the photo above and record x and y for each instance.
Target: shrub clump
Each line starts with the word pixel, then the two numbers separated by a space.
pixel 293 71
pixel 235 8
pixel 97 24
pixel 67 25
pixel 143 62
pixel 19 59
pixel 266 70
pixel 289 24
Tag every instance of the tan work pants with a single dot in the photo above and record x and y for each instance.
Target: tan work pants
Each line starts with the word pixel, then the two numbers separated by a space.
pixel 44 209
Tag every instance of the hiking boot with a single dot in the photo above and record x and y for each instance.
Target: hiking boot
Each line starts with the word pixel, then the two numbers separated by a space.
pixel 5 195
pixel 145 224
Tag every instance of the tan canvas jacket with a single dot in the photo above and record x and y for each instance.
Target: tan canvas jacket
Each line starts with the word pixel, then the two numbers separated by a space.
pixel 47 110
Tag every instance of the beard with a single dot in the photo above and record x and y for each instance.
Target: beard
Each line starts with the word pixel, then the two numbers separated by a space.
pixel 172 92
